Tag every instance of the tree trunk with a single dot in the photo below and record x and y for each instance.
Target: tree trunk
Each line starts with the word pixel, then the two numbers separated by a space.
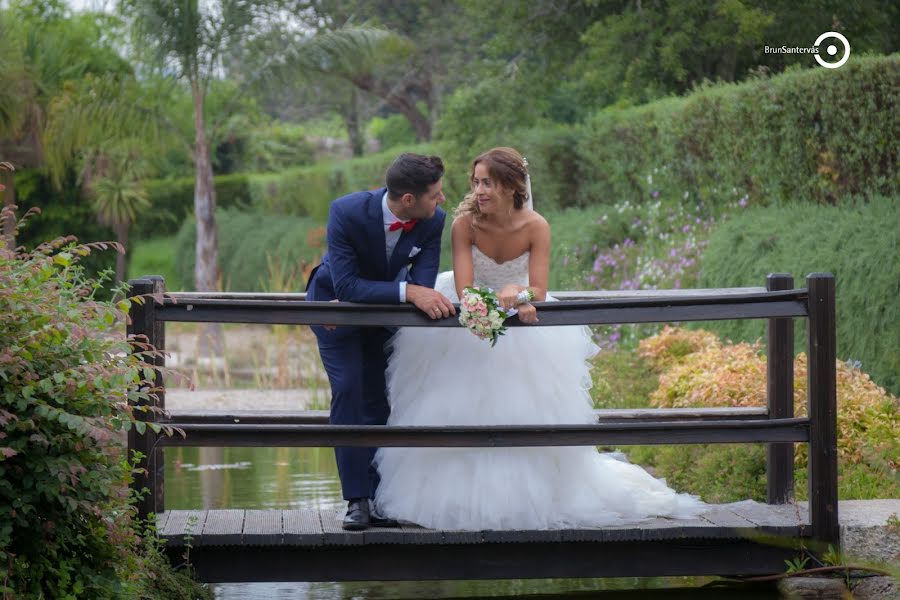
pixel 206 266
pixel 402 103
pixel 354 130
pixel 8 181
pixel 420 123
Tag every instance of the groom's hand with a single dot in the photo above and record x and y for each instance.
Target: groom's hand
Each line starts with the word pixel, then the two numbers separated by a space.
pixel 432 303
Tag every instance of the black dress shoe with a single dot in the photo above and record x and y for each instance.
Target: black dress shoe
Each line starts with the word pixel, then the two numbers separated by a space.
pixel 357 517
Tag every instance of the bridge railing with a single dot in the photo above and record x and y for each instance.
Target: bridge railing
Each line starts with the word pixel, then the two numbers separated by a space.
pixel 774 425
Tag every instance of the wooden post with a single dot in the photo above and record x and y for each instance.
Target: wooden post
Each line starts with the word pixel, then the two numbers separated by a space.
pixel 780 395
pixel 822 407
pixel 144 322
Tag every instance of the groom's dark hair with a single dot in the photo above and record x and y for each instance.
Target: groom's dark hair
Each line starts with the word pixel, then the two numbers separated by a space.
pixel 413 174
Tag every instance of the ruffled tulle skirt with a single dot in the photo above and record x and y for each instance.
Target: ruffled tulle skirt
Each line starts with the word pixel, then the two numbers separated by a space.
pixel 536 375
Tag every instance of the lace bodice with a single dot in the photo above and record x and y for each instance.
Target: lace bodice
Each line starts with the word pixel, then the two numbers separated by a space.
pixel 496 275
pixel 488 273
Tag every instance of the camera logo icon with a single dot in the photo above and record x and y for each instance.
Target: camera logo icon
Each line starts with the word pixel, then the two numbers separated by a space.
pixel 832 50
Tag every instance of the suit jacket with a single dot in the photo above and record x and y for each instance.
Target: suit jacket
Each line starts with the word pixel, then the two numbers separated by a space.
pixel 355 268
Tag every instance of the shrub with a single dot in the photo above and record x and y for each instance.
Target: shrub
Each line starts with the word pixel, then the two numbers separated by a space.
pixel 779 139
pixel 309 191
pixel 392 131
pixel 622 379
pixel 172 201
pixel 66 528
pixel 245 260
pixel 696 370
pixel 855 241
pixel 155 257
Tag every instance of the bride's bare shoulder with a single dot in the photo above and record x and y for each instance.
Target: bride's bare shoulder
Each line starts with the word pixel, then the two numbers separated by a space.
pixel 536 222
pixel 462 227
pixel 463 222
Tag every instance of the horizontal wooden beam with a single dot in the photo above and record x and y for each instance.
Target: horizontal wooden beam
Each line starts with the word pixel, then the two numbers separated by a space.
pixel 320 417
pixel 560 295
pixel 648 433
pixel 393 562
pixel 580 312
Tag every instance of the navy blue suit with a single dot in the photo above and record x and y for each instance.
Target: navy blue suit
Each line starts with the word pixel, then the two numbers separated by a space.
pixel 355 269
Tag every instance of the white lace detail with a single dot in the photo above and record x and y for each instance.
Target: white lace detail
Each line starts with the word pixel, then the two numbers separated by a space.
pixel 489 272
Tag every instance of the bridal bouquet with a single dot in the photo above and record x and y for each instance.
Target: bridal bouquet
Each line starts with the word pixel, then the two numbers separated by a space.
pixel 481 313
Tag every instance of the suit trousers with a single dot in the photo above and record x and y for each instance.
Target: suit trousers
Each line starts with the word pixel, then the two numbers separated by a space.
pixel 355 361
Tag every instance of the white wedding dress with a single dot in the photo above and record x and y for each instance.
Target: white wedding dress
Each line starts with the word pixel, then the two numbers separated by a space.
pixel 534 375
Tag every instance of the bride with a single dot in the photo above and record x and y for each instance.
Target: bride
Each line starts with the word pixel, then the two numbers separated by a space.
pixel 536 375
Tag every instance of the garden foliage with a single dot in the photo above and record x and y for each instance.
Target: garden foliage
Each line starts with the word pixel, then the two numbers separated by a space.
pixel 66 527
pixel 252 246
pixel 814 134
pixel 857 241
pixel 697 370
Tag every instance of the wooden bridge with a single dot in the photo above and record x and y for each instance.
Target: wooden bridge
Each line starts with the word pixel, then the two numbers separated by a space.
pixel 309 545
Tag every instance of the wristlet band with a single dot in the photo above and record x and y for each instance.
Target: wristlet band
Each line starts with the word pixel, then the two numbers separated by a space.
pixel 524 296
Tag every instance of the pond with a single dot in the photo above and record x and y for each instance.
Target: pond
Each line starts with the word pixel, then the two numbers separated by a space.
pixel 283 478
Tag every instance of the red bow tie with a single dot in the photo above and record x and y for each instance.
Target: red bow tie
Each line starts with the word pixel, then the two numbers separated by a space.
pixel 401 225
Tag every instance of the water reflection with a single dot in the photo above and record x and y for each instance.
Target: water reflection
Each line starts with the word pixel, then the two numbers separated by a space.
pixel 252 478
pixel 285 478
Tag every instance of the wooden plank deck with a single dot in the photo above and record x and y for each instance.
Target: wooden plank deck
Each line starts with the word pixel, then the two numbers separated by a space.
pixel 309 545
pixel 313 528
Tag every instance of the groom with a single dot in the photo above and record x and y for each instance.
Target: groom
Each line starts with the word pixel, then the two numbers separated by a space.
pixel 383 248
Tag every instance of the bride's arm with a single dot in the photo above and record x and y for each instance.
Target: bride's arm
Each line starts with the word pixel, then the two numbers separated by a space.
pixel 539 260
pixel 461 242
pixel 538 267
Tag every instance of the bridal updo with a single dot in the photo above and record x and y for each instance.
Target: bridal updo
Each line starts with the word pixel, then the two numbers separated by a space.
pixel 506 167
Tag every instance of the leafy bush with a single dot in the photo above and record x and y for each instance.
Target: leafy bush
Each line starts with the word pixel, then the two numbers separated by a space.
pixel 855 241
pixel 66 528
pixel 622 379
pixel 309 191
pixel 172 201
pixel 155 257
pixel 778 139
pixel 696 370
pixel 246 260
pixel 62 212
pixel 392 132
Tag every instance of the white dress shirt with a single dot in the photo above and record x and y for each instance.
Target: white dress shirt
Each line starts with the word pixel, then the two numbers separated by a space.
pixel 391 238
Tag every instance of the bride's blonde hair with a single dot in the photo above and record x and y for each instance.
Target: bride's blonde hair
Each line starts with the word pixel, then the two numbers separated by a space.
pixel 506 167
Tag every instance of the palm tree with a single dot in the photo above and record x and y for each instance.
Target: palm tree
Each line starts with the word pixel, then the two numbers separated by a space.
pixel 196 42
pixel 118 198
pixel 41 52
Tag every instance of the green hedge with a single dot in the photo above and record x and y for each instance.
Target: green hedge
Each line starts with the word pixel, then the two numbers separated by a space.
pixel 815 134
pixel 308 191
pixel 305 191
pixel 247 244
pixel 858 242
pixel 172 201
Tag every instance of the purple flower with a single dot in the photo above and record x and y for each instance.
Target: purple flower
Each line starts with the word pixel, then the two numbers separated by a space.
pixel 655 194
pixel 685 229
pixel 614 337
pixel 743 202
pixel 565 260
